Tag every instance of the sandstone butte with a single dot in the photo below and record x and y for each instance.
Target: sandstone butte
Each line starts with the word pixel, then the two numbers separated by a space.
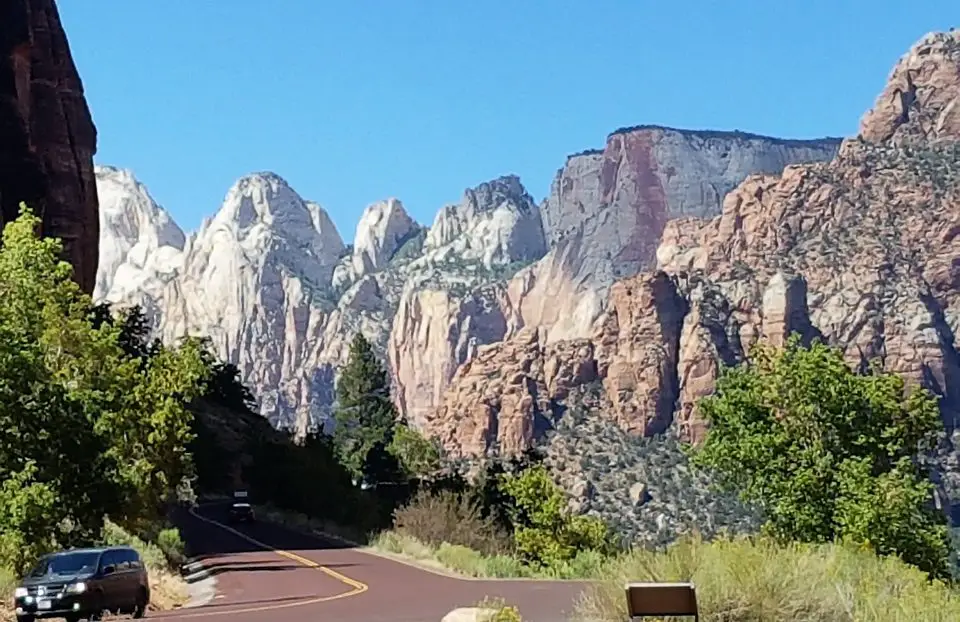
pixel 862 251
pixel 47 136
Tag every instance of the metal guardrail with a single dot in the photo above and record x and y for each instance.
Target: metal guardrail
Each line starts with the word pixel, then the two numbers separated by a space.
pixel 661 600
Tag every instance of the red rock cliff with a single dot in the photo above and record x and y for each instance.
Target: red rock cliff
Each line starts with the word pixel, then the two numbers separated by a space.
pixel 47 136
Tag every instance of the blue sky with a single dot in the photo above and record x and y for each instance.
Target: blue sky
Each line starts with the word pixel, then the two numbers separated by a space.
pixel 357 101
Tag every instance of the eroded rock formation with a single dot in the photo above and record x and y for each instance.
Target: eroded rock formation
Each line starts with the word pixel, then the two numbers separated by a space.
pixel 861 251
pixel 47 136
pixel 282 297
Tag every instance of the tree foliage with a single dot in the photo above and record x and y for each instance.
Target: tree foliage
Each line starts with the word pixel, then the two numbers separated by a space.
pixel 417 455
pixel 365 417
pixel 88 426
pixel 826 453
pixel 545 531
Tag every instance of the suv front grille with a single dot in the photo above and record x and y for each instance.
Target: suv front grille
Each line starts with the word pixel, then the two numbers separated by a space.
pixel 47 590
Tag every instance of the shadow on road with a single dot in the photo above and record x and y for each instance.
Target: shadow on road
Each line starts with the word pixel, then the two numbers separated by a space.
pixel 261 601
pixel 205 540
pixel 242 566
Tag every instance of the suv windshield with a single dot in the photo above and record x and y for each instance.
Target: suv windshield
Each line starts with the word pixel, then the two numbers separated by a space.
pixel 67 563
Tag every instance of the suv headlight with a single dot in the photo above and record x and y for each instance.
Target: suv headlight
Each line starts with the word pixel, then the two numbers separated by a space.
pixel 20 592
pixel 77 588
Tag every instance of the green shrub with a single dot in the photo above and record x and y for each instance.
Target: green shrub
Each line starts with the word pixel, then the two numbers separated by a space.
pixel 501 611
pixel 152 554
pixel 172 546
pixel 546 533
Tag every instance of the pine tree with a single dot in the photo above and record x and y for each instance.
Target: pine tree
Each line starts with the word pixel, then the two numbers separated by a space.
pixel 364 414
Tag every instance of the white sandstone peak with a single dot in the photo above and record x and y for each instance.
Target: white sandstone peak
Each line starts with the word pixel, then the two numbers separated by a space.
pixel 136 234
pixel 495 222
pixel 263 206
pixel 383 227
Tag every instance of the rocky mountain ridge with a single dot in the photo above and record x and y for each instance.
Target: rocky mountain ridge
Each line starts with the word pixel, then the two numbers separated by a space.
pixel 272 283
pixel 861 251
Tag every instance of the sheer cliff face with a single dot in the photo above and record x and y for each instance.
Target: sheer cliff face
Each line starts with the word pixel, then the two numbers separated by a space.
pixel 47 137
pixel 602 220
pixel 607 210
pixel 271 282
pixel 861 251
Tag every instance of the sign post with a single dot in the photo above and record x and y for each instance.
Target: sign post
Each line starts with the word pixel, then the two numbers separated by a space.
pixel 661 600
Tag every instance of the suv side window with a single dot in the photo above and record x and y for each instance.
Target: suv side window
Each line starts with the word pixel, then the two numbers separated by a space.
pixel 130 558
pixel 109 558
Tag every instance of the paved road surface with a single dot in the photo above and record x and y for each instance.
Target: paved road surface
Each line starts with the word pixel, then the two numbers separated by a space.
pixel 302 578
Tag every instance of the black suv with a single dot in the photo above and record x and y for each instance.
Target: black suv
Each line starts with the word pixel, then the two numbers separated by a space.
pixel 82 584
pixel 241 513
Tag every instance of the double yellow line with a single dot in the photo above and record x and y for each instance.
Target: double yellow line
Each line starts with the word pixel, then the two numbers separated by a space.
pixel 356 587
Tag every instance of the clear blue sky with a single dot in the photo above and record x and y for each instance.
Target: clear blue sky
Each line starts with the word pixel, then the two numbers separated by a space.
pixel 359 100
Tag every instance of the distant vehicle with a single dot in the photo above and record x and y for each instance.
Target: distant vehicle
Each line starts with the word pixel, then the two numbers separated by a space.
pixel 82 584
pixel 241 512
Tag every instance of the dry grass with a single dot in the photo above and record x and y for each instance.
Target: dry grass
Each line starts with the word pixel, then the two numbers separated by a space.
pixel 7 584
pixel 453 557
pixel 302 522
pixel 168 590
pixel 754 580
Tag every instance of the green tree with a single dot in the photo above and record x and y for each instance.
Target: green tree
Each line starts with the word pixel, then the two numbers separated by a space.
pixel 364 414
pixel 545 531
pixel 418 456
pixel 151 428
pixel 83 420
pixel 28 518
pixel 826 453
pixel 55 375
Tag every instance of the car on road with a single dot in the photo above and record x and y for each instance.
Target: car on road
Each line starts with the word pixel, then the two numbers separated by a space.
pixel 241 512
pixel 80 584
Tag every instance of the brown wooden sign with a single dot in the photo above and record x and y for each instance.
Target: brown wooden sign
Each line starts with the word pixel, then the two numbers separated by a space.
pixel 662 600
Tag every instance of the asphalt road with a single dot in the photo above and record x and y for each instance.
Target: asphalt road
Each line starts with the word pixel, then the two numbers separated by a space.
pixel 266 572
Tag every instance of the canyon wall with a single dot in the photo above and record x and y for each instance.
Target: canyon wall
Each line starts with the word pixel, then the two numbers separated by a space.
pixel 47 136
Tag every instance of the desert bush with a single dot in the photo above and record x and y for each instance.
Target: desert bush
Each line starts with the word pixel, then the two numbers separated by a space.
pixel 435 519
pixel 546 533
pixel 500 610
pixel 759 580
pixel 172 546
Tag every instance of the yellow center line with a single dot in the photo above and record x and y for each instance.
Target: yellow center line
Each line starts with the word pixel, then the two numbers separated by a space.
pixel 356 587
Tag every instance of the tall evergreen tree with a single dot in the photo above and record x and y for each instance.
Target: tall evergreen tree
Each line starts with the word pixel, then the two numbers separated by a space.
pixel 364 414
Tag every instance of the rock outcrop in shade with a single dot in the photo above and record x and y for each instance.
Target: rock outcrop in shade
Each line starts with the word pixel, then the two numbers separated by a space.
pixel 861 251
pixel 47 136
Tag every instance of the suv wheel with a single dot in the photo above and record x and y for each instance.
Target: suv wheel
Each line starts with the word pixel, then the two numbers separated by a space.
pixel 97 613
pixel 140 609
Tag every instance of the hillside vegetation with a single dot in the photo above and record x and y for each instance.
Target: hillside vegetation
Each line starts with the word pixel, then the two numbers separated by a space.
pixel 833 459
